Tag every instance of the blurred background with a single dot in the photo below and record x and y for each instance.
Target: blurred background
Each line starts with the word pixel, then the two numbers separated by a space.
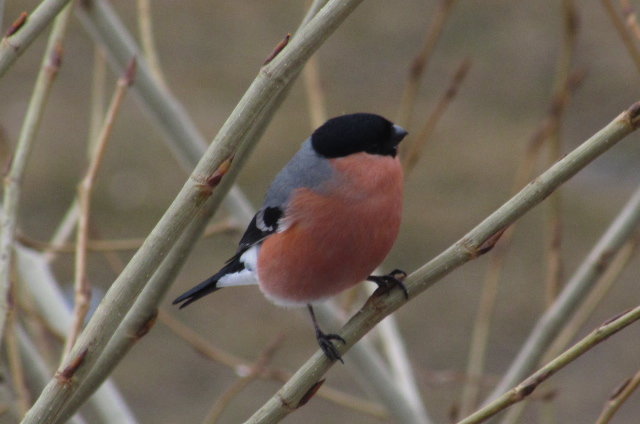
pixel 211 51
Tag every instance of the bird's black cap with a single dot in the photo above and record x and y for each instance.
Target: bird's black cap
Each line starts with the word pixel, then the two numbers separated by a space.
pixel 355 133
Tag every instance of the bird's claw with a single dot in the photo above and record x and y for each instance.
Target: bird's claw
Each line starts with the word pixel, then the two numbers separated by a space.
pixel 327 346
pixel 393 279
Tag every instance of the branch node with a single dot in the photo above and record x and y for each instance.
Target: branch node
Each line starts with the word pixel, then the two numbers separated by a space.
pixel 147 325
pixel 279 47
pixel 55 59
pixel 614 318
pixel 17 24
pixel 618 390
pixel 489 243
pixel 66 374
pixel 633 115
pixel 603 260
pixel 527 390
pixel 285 403
pixel 310 393
pixel 216 177
pixel 130 73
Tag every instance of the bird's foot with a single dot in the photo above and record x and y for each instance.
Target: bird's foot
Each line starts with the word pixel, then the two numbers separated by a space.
pixel 393 279
pixel 327 346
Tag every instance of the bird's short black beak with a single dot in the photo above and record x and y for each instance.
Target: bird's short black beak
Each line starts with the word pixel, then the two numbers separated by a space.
pixel 398 134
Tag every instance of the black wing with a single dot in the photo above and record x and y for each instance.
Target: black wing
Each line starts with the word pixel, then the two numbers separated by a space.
pixel 263 224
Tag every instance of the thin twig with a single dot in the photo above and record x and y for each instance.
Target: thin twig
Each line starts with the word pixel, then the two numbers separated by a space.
pixel 13 180
pixel 631 18
pixel 618 398
pixel 562 87
pixel 412 151
pixel 253 373
pixel 82 288
pixel 147 40
pixel 478 241
pixel 628 41
pixel 200 344
pixel 526 387
pixel 16 368
pixel 316 102
pixel 2 4
pixel 421 62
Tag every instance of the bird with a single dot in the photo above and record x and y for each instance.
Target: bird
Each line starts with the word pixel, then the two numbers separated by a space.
pixel 329 218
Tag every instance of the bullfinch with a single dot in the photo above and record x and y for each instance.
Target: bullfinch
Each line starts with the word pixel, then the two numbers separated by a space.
pixel 328 220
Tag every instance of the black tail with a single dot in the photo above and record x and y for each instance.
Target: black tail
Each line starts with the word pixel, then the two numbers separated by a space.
pixel 210 284
pixel 202 289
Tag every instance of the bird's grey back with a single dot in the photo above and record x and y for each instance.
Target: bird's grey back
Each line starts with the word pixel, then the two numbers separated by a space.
pixel 305 169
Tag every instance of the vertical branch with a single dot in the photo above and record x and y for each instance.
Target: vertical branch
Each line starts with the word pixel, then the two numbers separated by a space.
pixel 315 94
pixel 145 27
pixel 410 153
pixel 13 180
pixel 1 14
pixel 69 221
pixel 81 284
pixel 98 97
pixel 15 365
pixel 482 322
pixel 631 46
pixel 421 62
pixel 561 90
pixel 630 17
